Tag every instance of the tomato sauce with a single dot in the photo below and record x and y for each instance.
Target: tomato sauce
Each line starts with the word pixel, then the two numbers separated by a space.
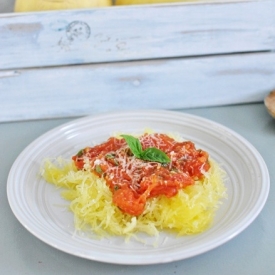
pixel 132 180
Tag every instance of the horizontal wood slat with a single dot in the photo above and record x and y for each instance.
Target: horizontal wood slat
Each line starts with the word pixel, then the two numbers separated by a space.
pixel 135 33
pixel 167 84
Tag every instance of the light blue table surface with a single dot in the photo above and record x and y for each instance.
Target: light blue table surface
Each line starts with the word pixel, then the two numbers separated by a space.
pixel 251 252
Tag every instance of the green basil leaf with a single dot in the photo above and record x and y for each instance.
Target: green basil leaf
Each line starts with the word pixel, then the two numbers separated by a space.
pixel 134 145
pixel 98 169
pixel 149 154
pixel 80 153
pixel 110 156
pixel 154 154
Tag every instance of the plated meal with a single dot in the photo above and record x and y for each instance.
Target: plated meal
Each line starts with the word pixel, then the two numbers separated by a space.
pixel 149 183
pixel 112 191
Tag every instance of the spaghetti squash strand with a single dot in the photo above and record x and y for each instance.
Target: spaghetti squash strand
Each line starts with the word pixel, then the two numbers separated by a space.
pixel 190 211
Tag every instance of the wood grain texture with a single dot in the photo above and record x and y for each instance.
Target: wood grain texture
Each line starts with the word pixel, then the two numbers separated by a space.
pixel 135 33
pixel 159 84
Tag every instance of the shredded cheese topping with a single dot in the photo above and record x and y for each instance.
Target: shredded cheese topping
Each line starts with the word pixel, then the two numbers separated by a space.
pixel 191 211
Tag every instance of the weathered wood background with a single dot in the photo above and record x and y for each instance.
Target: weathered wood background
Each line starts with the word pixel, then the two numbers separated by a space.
pixel 79 62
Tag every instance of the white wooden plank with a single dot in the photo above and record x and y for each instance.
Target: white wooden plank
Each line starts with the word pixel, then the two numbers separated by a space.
pixel 135 33
pixel 166 84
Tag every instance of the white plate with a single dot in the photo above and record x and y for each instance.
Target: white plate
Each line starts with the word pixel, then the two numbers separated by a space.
pixel 40 209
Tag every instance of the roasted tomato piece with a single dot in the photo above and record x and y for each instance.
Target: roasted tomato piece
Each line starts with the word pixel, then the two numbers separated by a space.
pixel 129 202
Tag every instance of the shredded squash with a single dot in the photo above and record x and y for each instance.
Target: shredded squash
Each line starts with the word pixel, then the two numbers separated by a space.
pixel 191 211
